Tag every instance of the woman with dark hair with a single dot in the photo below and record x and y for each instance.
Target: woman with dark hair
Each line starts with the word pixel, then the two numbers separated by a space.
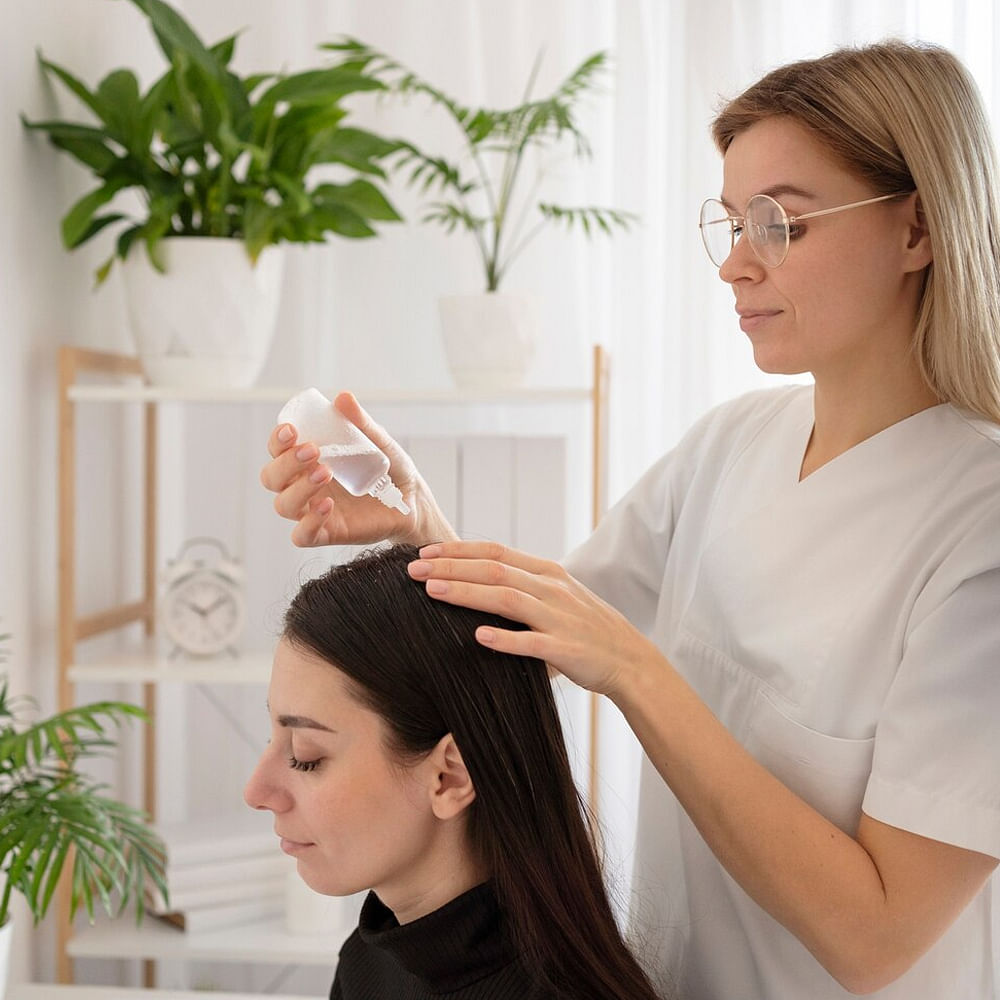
pixel 407 759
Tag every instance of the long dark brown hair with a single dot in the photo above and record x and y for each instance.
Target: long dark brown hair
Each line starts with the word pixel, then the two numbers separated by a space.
pixel 415 662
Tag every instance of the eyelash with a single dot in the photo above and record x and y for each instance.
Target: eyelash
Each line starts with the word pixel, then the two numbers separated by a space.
pixel 302 765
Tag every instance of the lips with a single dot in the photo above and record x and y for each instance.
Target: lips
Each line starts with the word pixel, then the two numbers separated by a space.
pixel 290 846
pixel 751 319
pixel 747 313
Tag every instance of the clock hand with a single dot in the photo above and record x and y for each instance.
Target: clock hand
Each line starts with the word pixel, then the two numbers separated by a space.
pixel 215 604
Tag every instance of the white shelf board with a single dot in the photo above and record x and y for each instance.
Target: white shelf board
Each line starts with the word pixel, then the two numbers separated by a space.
pixel 148 664
pixel 267 942
pixel 141 393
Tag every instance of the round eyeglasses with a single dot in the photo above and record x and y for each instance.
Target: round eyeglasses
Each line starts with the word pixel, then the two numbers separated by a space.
pixel 768 226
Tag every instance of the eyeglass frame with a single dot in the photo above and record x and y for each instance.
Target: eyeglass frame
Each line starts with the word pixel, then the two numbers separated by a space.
pixel 787 220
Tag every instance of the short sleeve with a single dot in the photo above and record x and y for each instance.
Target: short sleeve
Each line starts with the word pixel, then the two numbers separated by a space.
pixel 623 560
pixel 936 768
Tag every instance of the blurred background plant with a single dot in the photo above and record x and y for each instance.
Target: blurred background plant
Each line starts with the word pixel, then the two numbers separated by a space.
pixel 51 813
pixel 484 194
pixel 212 153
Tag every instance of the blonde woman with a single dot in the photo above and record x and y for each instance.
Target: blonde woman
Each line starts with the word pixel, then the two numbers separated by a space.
pixel 797 610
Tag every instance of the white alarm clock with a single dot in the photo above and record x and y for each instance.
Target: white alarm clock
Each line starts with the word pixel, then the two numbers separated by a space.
pixel 202 605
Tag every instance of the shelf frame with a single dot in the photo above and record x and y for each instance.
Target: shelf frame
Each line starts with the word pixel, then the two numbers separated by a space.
pixel 74 362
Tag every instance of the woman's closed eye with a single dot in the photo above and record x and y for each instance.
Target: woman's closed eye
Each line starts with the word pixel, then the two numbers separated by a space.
pixel 302 765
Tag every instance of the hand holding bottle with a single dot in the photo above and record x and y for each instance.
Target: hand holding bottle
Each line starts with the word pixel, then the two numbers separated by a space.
pixel 329 514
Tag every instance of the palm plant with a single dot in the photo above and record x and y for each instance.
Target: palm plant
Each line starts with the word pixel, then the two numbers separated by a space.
pixel 51 813
pixel 482 195
pixel 214 154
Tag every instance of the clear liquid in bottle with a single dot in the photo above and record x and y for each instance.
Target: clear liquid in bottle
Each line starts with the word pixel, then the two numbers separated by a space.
pixel 355 462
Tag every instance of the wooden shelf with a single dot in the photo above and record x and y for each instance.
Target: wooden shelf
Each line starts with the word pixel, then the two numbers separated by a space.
pixel 150 664
pixel 264 942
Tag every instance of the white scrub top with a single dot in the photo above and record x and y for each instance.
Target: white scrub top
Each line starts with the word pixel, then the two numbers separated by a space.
pixel 846 630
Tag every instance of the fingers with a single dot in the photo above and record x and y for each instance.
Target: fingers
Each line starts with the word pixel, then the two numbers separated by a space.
pixel 311 529
pixel 282 438
pixel 508 602
pixel 449 557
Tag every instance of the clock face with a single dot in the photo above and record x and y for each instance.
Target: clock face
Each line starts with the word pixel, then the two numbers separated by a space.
pixel 203 613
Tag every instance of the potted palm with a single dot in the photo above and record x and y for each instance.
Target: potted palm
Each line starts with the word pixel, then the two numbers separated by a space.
pixel 226 169
pixel 52 814
pixel 489 335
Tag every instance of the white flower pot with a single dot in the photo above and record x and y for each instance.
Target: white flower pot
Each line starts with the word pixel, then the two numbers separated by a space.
pixel 209 320
pixel 6 935
pixel 489 338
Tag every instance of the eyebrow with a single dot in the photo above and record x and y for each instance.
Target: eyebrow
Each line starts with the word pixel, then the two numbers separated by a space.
pixel 776 191
pixel 302 722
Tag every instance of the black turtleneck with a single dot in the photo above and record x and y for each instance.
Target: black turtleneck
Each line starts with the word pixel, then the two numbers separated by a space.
pixel 459 950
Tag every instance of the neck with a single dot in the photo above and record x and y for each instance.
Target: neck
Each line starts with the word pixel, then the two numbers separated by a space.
pixel 848 411
pixel 441 876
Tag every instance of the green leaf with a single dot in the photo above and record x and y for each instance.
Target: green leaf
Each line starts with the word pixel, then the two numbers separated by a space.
pixel 118 94
pixel 87 144
pixel 318 86
pixel 223 51
pixel 175 36
pixel 74 85
pixel 354 148
pixel 341 220
pixel 361 196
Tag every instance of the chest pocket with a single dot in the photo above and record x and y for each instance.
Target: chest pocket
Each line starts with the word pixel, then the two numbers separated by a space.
pixel 827 772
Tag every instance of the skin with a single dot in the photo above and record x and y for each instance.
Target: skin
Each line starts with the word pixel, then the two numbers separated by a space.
pixel 843 308
pixel 357 818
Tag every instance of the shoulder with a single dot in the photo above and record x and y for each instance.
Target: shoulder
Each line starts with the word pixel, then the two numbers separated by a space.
pixel 982 434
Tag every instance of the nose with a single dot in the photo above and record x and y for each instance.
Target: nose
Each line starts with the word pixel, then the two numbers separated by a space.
pixel 742 262
pixel 264 788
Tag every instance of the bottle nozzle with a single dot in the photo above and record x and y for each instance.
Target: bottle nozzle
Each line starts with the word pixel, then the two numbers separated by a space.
pixel 385 490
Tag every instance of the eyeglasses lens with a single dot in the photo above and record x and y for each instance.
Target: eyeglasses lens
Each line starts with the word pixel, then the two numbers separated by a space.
pixel 767 229
pixel 716 231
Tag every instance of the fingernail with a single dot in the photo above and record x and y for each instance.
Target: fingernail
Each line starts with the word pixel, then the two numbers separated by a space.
pixel 320 475
pixel 325 506
pixel 285 434
pixel 430 551
pixel 420 570
pixel 437 587
pixel 486 635
pixel 306 453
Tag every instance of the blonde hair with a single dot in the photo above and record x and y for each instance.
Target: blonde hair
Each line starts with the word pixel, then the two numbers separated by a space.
pixel 903 116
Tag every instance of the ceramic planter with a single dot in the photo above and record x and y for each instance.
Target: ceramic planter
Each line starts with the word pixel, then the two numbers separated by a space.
pixel 209 320
pixel 6 935
pixel 489 338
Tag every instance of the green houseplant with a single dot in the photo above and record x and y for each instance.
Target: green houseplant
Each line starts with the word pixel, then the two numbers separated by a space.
pixel 480 193
pixel 51 813
pixel 212 153
pixel 484 192
pixel 226 169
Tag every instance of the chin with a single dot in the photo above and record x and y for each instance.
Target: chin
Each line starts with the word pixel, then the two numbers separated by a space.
pixel 778 366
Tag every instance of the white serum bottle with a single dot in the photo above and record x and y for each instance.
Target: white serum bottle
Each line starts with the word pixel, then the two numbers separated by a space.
pixel 355 462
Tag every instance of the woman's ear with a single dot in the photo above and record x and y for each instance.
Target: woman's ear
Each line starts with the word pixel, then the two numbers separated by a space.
pixel 919 251
pixel 451 786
